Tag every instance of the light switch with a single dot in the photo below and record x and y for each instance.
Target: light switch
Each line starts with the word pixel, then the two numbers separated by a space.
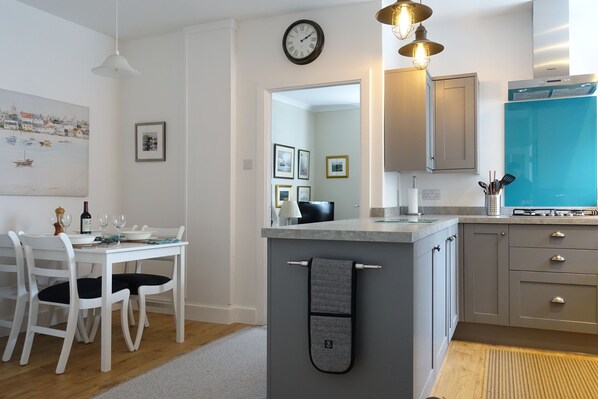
pixel 247 164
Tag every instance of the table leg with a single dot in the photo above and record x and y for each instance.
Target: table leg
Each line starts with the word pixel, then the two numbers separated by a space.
pixel 106 345
pixel 180 300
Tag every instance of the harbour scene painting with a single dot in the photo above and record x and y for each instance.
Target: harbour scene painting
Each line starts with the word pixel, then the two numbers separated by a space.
pixel 44 146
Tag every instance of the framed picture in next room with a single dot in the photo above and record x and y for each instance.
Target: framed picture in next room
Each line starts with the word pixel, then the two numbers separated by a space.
pixel 283 193
pixel 337 166
pixel 304 193
pixel 284 161
pixel 303 164
pixel 150 141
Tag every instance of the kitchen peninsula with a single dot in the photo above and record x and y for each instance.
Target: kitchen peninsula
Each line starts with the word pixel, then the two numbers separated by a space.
pixel 405 311
pixel 520 280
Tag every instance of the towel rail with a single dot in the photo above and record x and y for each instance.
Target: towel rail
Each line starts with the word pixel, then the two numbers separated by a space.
pixel 358 266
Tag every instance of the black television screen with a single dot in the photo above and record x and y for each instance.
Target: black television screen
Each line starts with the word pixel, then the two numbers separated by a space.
pixel 316 211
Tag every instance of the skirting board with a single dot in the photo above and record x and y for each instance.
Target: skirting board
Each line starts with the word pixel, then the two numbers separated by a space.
pixel 527 338
pixel 208 313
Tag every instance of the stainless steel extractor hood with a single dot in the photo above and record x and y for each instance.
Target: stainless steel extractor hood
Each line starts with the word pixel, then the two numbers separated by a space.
pixel 550 20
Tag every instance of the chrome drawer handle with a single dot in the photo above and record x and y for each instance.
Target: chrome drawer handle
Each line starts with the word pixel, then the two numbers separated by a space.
pixel 557 258
pixel 557 234
pixel 558 299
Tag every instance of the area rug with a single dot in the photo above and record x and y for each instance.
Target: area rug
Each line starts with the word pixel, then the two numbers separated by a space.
pixel 233 367
pixel 522 374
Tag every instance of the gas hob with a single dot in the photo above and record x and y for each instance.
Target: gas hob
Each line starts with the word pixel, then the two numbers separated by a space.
pixel 554 212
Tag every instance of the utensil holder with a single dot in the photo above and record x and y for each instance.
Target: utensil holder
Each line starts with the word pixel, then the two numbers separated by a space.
pixel 493 204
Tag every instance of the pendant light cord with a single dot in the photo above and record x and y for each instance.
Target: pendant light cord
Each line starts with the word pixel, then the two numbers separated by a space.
pixel 116 39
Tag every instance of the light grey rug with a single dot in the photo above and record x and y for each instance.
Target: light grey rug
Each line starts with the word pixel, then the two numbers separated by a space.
pixel 233 367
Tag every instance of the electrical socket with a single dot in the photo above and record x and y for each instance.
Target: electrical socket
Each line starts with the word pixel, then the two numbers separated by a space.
pixel 431 194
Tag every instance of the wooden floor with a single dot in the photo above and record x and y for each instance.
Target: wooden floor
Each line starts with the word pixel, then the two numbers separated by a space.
pixel 462 373
pixel 83 378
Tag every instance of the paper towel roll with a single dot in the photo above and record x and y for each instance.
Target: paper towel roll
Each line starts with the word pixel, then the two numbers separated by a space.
pixel 413 196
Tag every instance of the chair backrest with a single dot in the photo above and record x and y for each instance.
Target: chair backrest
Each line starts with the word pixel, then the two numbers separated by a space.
pixel 11 250
pixel 166 232
pixel 49 248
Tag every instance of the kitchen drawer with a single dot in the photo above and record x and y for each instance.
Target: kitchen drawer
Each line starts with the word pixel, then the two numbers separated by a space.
pixel 554 236
pixel 535 297
pixel 561 260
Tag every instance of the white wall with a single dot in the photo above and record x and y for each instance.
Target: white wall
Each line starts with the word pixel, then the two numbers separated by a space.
pixel 338 133
pixel 49 57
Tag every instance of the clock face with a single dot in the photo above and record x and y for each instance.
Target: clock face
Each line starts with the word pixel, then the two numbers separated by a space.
pixel 303 41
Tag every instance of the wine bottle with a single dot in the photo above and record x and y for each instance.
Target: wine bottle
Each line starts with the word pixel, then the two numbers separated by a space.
pixel 85 220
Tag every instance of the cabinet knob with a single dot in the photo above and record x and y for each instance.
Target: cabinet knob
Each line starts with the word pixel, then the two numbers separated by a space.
pixel 451 238
pixel 455 236
pixel 502 233
pixel 557 234
pixel 436 248
pixel 559 300
pixel 557 258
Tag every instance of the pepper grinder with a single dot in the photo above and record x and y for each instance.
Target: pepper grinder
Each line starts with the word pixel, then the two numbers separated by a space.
pixel 57 226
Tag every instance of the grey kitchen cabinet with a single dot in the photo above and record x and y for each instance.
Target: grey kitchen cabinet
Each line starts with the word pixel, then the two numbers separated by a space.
pixel 554 277
pixel 454 145
pixel 398 351
pixel 430 123
pixel 408 119
pixel 486 273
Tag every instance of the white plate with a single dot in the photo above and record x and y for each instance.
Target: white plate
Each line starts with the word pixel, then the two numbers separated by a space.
pixel 137 235
pixel 78 239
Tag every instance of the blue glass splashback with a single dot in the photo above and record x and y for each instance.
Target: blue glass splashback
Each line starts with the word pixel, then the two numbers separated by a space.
pixel 550 146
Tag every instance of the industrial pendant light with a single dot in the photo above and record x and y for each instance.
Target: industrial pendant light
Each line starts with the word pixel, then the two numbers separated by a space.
pixel 421 48
pixel 403 15
pixel 115 65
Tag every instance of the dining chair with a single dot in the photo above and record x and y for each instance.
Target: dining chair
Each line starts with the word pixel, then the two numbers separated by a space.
pixel 73 294
pixel 143 284
pixel 11 252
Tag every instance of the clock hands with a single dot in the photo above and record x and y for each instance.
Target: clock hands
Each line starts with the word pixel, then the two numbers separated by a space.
pixel 307 37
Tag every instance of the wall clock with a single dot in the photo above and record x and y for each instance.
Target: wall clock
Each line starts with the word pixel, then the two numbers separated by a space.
pixel 303 41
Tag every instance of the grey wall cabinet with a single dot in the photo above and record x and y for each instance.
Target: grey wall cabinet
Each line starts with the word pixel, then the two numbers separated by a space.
pixel 454 148
pixel 486 273
pixel 430 124
pixel 408 119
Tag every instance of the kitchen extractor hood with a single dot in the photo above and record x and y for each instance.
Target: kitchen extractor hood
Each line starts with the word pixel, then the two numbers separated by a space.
pixel 550 20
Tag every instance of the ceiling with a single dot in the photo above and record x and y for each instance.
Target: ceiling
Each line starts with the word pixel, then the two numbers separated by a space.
pixel 142 18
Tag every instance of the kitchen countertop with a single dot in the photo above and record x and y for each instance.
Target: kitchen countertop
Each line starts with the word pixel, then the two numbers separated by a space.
pixel 371 229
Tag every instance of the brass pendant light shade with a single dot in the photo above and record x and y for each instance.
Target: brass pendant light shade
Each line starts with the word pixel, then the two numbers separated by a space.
pixel 420 11
pixel 421 48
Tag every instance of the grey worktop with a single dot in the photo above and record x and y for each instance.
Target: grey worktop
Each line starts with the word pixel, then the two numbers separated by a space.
pixel 370 229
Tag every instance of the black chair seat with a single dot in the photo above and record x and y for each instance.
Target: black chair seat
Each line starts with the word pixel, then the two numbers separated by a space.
pixel 136 280
pixel 87 287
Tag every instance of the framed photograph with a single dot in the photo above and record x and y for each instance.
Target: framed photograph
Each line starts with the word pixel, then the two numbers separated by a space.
pixel 304 193
pixel 284 161
pixel 283 193
pixel 337 166
pixel 303 165
pixel 150 141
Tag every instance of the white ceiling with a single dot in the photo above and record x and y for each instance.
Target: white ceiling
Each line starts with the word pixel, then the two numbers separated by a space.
pixel 142 18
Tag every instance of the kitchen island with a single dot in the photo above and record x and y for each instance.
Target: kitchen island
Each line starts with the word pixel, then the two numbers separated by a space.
pixel 406 311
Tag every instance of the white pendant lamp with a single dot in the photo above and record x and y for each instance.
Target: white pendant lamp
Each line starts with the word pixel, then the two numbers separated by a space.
pixel 115 65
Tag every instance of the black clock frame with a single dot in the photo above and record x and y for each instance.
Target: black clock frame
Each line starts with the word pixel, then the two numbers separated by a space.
pixel 319 44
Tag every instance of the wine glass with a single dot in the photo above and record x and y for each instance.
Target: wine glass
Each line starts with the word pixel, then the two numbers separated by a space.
pixel 103 221
pixel 65 221
pixel 119 221
pixel 52 219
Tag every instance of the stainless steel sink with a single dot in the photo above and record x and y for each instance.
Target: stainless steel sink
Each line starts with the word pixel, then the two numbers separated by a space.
pixel 407 221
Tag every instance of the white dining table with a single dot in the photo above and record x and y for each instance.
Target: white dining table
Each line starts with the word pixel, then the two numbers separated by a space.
pixel 107 256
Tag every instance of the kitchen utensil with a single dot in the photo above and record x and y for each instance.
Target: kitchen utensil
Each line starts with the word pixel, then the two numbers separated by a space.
pixel 507 179
pixel 484 186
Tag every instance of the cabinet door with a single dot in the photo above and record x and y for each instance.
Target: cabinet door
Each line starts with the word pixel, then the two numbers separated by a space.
pixel 452 281
pixel 407 115
pixel 439 302
pixel 455 124
pixel 486 273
